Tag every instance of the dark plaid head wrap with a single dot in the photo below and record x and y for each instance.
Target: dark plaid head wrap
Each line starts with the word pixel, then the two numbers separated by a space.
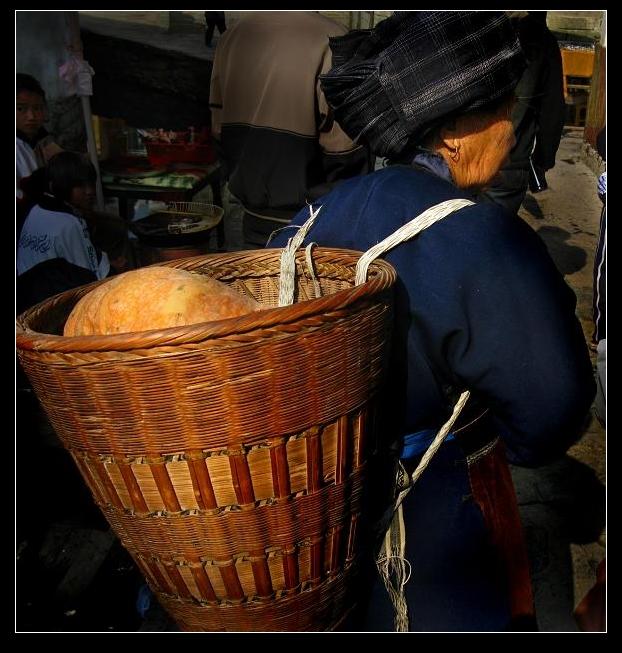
pixel 391 85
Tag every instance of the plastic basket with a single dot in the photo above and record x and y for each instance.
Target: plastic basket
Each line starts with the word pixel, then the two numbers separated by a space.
pixel 230 457
pixel 179 224
pixel 164 154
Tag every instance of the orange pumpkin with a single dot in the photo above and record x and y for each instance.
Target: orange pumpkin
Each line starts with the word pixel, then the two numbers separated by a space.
pixel 155 297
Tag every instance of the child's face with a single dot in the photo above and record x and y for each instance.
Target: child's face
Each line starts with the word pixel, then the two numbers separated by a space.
pixel 83 197
pixel 30 112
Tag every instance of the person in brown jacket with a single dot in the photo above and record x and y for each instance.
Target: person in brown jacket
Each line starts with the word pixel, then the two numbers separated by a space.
pixel 276 137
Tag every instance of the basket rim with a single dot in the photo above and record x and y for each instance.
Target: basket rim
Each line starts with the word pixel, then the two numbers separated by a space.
pixel 385 277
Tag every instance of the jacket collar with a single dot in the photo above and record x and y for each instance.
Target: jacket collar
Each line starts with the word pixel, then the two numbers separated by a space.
pixel 434 163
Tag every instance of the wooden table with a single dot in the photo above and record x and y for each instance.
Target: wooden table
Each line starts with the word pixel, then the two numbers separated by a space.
pixel 128 193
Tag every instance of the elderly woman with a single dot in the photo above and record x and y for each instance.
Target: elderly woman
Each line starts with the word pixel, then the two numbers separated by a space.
pixel 480 305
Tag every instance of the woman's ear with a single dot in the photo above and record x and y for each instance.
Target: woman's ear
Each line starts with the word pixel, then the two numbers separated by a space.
pixel 448 134
pixel 449 139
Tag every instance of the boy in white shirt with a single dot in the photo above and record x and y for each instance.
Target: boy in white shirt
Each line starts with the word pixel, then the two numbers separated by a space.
pixel 34 147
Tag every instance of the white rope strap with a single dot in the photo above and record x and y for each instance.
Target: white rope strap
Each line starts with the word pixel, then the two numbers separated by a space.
pixel 311 269
pixel 287 279
pixel 393 567
pixel 440 436
pixel 405 488
pixel 391 562
pixel 406 232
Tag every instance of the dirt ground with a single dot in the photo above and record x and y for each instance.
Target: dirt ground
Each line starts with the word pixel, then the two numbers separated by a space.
pixel 563 506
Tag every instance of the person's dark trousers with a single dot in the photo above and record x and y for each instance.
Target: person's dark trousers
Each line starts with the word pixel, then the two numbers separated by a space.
pixel 212 21
pixel 257 231
pixel 508 190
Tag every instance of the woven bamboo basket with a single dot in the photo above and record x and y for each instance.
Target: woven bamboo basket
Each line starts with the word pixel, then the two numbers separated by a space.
pixel 230 457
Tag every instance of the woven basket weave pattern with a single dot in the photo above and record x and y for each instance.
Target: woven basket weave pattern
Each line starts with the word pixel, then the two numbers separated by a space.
pixel 230 457
pixel 224 478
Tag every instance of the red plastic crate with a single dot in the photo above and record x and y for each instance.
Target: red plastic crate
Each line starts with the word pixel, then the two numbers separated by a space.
pixel 163 154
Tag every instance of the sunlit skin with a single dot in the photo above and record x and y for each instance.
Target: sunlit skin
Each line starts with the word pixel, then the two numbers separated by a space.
pixel 30 113
pixel 476 145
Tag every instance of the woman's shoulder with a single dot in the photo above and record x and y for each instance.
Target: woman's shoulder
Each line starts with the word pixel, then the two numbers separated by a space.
pixel 496 224
pixel 490 228
pixel 485 236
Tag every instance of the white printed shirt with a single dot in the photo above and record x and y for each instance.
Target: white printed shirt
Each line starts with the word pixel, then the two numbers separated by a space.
pixel 54 234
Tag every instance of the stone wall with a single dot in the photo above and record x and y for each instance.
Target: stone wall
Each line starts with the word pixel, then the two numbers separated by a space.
pixel 579 23
pixel 186 21
pixel 154 18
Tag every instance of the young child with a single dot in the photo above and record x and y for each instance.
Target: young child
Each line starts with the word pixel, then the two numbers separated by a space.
pixel 55 251
pixel 34 147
